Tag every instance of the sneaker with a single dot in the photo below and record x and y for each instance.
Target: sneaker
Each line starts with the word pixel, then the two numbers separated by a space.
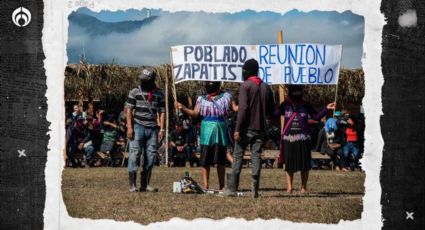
pixel 133 189
pixel 149 189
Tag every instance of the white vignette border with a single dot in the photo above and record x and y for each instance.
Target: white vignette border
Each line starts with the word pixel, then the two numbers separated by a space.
pixel 54 39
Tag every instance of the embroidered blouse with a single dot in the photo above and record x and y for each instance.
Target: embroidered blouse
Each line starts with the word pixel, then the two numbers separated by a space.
pixel 217 107
pixel 304 109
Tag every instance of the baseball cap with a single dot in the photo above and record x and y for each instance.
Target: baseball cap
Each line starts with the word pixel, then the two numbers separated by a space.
pixel 147 74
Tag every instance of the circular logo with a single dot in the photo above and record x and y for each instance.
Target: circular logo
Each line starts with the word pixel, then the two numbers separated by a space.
pixel 21 17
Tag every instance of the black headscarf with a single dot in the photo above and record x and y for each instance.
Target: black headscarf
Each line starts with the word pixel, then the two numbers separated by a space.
pixel 295 88
pixel 250 68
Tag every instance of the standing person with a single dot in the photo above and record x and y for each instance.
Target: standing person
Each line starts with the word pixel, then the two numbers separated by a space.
pixel 214 107
pixel 256 103
pixel 143 104
pixel 296 134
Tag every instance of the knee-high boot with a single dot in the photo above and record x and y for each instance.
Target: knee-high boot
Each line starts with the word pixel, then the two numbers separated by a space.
pixel 132 181
pixel 255 183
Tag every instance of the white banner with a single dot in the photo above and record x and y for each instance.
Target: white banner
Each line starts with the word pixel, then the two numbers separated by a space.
pixel 314 64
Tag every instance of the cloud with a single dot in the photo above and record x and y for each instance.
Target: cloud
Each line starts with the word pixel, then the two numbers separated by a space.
pixel 345 22
pixel 150 44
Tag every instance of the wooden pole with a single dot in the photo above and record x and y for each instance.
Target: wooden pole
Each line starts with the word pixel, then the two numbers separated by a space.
pixel 337 83
pixel 173 89
pixel 281 88
pixel 167 115
pixel 336 96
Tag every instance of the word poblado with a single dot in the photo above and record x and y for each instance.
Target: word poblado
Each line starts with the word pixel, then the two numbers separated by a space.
pixel 211 63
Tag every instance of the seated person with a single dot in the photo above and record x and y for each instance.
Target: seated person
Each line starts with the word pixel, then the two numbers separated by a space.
pixel 330 142
pixel 76 112
pixel 350 133
pixel 78 138
pixel 179 150
pixel 110 137
pixel 191 138
pixel 70 145
pixel 272 133
pixel 332 123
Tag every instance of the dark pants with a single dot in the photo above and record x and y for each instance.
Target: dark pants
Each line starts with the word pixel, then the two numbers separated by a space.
pixel 321 141
pixel 255 139
pixel 335 155
pixel 71 149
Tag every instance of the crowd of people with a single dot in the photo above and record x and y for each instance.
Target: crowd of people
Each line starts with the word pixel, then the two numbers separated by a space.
pixel 103 132
pixel 226 129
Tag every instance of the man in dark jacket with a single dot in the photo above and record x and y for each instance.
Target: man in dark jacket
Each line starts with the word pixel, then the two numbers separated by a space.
pixel 78 138
pixel 256 104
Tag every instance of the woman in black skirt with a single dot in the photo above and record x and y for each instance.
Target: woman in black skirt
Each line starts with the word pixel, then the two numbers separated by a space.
pixel 295 143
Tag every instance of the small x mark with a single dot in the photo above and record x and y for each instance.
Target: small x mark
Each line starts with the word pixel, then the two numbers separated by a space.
pixel 409 215
pixel 22 153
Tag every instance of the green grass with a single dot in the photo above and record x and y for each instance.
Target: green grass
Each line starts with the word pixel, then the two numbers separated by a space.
pixel 100 193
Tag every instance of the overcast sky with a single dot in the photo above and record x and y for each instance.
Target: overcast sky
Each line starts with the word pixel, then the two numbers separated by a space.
pixel 150 44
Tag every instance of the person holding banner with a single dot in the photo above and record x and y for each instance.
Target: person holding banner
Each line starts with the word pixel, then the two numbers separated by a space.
pixel 215 106
pixel 256 104
pixel 295 140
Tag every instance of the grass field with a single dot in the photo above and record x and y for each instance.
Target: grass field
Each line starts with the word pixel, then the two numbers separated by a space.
pixel 99 193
